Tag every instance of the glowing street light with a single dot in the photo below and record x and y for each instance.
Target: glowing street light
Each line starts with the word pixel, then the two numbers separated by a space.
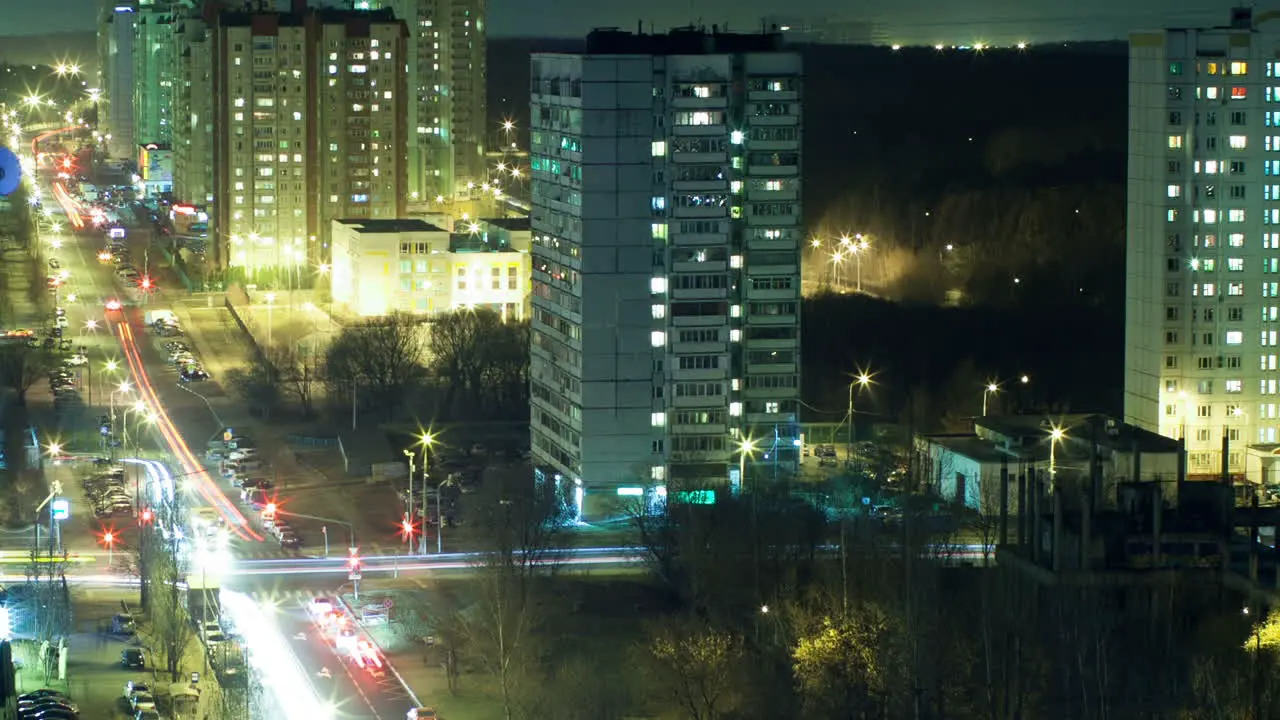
pixel 861 381
pixel 109 539
pixel 746 446
pixel 1056 435
pixel 990 389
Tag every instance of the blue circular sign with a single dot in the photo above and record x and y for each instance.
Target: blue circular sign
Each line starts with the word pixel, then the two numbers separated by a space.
pixel 10 171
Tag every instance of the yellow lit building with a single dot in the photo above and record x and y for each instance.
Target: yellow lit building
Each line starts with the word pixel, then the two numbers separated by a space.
pixel 410 265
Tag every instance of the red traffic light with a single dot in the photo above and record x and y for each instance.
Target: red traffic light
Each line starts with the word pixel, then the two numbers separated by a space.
pixel 269 510
pixel 147 515
pixel 145 283
pixel 109 538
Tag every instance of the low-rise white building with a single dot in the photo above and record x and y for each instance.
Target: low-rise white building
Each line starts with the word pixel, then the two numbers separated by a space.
pixel 965 468
pixel 410 265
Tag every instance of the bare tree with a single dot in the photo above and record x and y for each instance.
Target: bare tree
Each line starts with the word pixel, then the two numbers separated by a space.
pixel 482 360
pixel 21 367
pixel 297 372
pixel 523 539
pixel 698 665
pixel 383 356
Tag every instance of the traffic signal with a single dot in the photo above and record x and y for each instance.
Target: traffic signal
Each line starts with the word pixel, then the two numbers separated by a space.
pixel 353 562
pixel 145 283
pixel 406 528
pixel 108 538
pixel 147 516
pixel 269 510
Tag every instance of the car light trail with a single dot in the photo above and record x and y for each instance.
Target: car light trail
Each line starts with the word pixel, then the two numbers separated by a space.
pixel 68 206
pixel 192 468
pixel 295 697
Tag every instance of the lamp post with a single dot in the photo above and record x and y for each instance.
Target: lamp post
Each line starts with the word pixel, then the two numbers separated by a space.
pixel 408 501
pixel 1056 435
pixel 861 381
pixel 990 389
pixel 427 440
pixel 858 249
pixel 110 540
pixel 746 446
pixel 271 298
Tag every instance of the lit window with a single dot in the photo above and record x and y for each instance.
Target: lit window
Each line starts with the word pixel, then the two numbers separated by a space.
pixel 1239 142
pixel 1239 68
pixel 736 137
pixel 658 148
pixel 657 338
pixel 735 409
pixel 239 117
pixel 735 261
pixel 1211 93
pixel 735 335
pixel 659 311
pixel 1175 191
pixel 1239 92
pixel 1235 337
pixel 297 115
pixel 239 102
pixel 1235 386
pixel 659 231
pixel 1235 215
pixel 1175 142
pixel 657 419
pixel 657 285
pixel 1235 264
pixel 1210 167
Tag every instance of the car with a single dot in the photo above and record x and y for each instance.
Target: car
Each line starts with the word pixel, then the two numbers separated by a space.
pixel 290 541
pixel 176 346
pixel 60 321
pixel 113 304
pixel 209 626
pixel 147 715
pixel 133 659
pixel 245 453
pixel 142 701
pixel 279 527
pixel 194 374
pixel 76 360
pixel 61 374
pixel 38 704
pixel 54 264
pixel 51 712
pixel 183 358
pixel 214 639
pixel 59 312
pixel 321 606
pixel 42 693
pixel 133 686
pixel 178 352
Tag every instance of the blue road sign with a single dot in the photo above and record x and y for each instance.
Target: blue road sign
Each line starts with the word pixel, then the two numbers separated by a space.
pixel 10 171
pixel 60 508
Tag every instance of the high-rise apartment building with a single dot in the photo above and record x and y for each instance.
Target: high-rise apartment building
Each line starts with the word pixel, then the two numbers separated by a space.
pixel 116 64
pixel 308 125
pixel 666 233
pixel 193 108
pixel 153 72
pixel 447 74
pixel 1203 262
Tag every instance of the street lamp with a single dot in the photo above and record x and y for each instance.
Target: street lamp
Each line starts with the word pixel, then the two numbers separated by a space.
pixel 861 381
pixel 110 540
pixel 990 389
pixel 837 258
pixel 271 298
pixel 1056 435
pixel 746 446
pixel 427 440
pixel 407 523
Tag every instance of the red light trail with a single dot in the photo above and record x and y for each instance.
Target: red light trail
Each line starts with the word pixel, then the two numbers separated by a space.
pixel 191 467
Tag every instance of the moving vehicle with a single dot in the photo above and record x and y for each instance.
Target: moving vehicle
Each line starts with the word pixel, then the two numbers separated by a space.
pixel 153 317
pixel 193 374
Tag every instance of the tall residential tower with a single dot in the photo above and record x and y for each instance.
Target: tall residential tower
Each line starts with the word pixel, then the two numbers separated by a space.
pixel 116 64
pixel 307 125
pixel 667 223
pixel 448 78
pixel 1202 323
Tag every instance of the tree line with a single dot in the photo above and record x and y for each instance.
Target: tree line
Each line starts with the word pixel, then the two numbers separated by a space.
pixel 468 364
pixel 765 606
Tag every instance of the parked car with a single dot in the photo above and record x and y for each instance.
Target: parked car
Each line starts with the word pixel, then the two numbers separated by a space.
pixel 133 659
pixel 193 374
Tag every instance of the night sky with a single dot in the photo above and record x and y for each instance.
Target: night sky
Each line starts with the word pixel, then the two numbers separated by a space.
pixel 906 21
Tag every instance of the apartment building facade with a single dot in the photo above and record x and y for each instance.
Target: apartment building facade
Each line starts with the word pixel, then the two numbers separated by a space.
pixel 447 74
pixel 308 124
pixel 153 68
pixel 116 65
pixel 1202 320
pixel 666 230
pixel 193 107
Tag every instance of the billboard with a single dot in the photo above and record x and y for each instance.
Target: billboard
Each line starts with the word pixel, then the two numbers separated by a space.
pixel 155 164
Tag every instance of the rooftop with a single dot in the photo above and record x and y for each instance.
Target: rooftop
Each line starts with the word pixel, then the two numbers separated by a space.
pixel 390 225
pixel 970 446
pixel 1028 430
pixel 680 41
pixel 510 224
